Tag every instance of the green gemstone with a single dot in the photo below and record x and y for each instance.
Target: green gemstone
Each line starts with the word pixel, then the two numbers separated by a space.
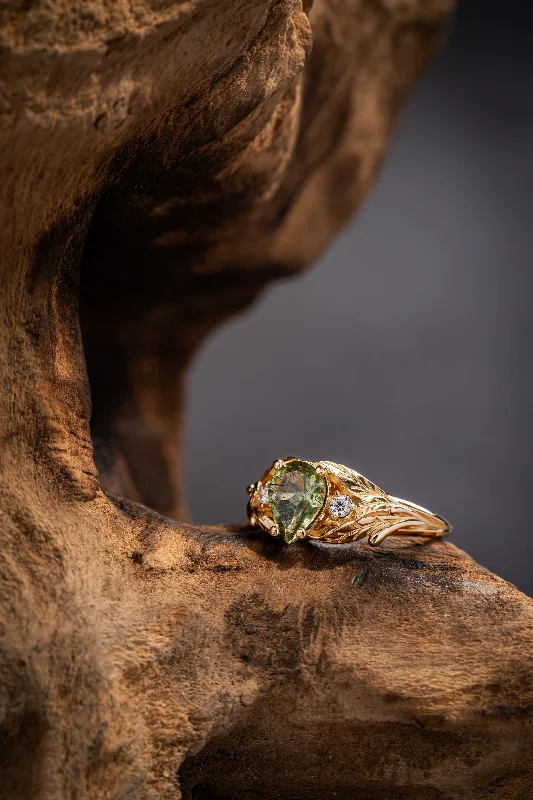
pixel 296 494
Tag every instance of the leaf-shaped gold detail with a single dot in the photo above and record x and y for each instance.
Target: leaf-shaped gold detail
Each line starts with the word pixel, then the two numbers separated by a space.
pixel 360 486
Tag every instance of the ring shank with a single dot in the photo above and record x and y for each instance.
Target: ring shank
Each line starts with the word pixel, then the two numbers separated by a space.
pixel 423 523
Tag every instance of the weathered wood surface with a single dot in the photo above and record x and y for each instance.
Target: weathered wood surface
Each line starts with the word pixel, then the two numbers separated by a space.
pixel 170 159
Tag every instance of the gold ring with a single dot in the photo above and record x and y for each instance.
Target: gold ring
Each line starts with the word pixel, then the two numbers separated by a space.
pixel 331 503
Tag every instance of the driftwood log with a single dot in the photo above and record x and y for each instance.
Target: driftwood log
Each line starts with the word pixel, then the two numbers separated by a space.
pixel 161 162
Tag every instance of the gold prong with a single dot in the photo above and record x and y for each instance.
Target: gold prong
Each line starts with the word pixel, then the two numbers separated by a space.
pixel 300 533
pixel 251 488
pixel 278 464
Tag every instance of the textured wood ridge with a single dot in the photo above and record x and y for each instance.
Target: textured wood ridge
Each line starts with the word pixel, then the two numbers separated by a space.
pixel 161 162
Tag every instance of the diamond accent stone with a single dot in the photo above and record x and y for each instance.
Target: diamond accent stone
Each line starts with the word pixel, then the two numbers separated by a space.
pixel 263 495
pixel 340 506
pixel 296 494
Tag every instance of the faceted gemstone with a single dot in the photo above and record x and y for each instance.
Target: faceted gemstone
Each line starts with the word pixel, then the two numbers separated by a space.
pixel 339 506
pixel 296 494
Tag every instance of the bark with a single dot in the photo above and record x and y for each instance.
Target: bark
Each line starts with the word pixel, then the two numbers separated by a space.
pixel 162 162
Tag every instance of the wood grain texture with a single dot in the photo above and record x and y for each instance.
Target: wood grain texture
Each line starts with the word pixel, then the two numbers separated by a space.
pixel 162 162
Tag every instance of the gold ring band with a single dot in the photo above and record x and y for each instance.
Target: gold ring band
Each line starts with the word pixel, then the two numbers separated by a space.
pixel 328 502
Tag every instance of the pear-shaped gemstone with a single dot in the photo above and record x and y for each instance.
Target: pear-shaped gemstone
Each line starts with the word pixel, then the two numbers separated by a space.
pixel 296 494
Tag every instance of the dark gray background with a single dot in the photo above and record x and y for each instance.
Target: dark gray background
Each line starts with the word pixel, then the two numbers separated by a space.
pixel 415 327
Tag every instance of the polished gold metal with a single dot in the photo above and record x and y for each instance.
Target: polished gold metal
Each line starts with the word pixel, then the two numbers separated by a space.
pixel 373 513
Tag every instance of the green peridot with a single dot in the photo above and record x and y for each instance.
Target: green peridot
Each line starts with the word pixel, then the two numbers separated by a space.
pixel 296 494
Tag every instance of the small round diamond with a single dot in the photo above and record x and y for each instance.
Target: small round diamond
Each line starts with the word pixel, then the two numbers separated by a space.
pixel 340 506
pixel 263 495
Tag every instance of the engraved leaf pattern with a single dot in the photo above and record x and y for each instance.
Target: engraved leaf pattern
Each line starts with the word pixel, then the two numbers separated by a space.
pixel 374 515
pixel 373 519
pixel 354 482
